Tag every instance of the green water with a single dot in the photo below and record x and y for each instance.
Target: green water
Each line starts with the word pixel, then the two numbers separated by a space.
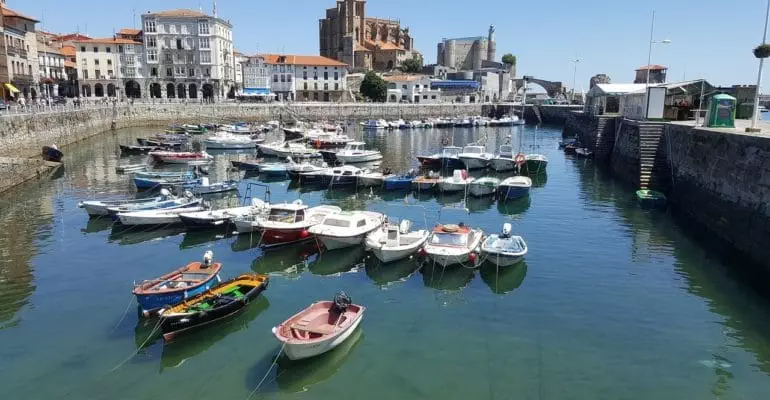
pixel 613 302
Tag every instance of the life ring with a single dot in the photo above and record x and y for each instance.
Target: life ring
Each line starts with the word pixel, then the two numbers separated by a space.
pixel 520 159
pixel 450 228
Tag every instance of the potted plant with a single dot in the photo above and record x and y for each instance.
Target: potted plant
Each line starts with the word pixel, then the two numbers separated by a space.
pixel 762 51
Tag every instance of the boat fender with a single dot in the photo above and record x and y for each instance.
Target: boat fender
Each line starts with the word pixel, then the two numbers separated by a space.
pixel 472 257
pixel 520 159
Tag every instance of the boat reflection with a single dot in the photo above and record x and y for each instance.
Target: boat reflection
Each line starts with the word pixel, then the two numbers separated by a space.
pixel 514 207
pixel 298 376
pixel 291 260
pixel 539 180
pixel 503 280
pixel 386 274
pixel 337 261
pixel 187 346
pixel 479 204
pixel 98 224
pixel 194 239
pixel 451 278
pixel 130 235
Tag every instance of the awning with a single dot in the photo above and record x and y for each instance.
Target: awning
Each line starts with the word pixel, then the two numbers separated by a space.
pixel 256 91
pixel 12 88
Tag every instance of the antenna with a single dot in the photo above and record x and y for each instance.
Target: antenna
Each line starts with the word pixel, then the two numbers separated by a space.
pixel 215 8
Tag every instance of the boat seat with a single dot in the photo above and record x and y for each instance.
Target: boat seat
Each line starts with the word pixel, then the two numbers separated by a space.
pixel 319 330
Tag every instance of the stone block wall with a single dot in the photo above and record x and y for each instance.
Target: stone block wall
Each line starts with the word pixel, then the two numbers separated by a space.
pixel 722 182
pixel 624 161
pixel 14 171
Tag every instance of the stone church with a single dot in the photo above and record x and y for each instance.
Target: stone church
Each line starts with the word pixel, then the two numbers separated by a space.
pixel 364 43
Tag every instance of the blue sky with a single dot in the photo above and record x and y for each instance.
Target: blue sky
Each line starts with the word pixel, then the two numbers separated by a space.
pixel 608 36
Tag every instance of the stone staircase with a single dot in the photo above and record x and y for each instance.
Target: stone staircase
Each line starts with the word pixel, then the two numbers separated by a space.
pixel 654 171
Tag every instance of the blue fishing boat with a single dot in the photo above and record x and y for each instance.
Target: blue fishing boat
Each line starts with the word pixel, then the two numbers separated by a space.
pixel 156 183
pixel 176 286
pixel 400 182
pixel 165 174
pixel 273 170
pixel 450 157
pixel 514 187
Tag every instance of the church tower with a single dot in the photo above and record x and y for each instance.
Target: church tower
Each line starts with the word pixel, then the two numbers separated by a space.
pixel 491 46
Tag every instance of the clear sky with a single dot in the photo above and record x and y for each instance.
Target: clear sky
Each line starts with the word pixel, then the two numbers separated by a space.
pixel 710 39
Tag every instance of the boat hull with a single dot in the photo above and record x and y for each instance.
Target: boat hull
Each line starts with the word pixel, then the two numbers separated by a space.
pixel 536 166
pixel 502 164
pixel 213 145
pixel 474 163
pixel 341 242
pixel 451 187
pixel 359 158
pixel 481 190
pixel 512 192
pixel 397 184
pixel 280 237
pixel 429 161
pixel 152 303
pixel 452 163
pixel 300 351
pixel 502 260
pixel 446 260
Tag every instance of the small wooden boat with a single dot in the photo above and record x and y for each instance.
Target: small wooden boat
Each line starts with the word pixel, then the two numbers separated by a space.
pixel 168 203
pixel 395 242
pixel 166 174
pixel 399 182
pixel 212 219
pixel 319 328
pixel 247 165
pixel 651 199
pixel 217 303
pixel 426 182
pixel 52 153
pixel 454 244
pixel 96 208
pixel 204 187
pixel 174 287
pixel 165 216
pixel 582 152
pixel 155 183
pixel 173 157
pixel 485 186
pixel 514 187
pixel 125 168
pixel 129 149
pixel 346 229
pixel 504 249
pixel 285 223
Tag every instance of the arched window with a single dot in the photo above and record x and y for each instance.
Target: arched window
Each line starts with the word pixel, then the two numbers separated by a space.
pixel 180 91
pixel 99 90
pixel 193 91
pixel 170 92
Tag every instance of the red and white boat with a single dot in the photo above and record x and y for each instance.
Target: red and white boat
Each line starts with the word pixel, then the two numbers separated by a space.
pixel 454 244
pixel 285 223
pixel 325 140
pixel 185 157
pixel 319 328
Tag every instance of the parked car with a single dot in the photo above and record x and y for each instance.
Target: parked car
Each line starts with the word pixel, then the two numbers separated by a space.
pixel 4 105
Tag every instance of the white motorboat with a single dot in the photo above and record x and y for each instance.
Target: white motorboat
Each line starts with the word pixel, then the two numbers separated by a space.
pixel 375 124
pixel 485 186
pixel 347 229
pixel 239 129
pixel 475 157
pixel 98 208
pixel 288 149
pixel 213 218
pixel 503 159
pixel 504 249
pixel 397 124
pixel 166 216
pixel 454 244
pixel 319 328
pixel 295 170
pixel 458 182
pixel 346 175
pixel 514 187
pixel 395 242
pixel 355 152
pixel 284 223
pixel 371 178
pixel 205 187
pixel 229 141
pixel 172 157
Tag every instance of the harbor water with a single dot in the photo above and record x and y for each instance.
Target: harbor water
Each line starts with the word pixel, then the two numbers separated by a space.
pixel 612 301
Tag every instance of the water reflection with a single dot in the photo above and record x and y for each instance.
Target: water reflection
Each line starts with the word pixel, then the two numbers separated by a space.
pixel 125 236
pixel 337 261
pixel 298 376
pixel 290 261
pixel 193 239
pixel 514 207
pixel 479 204
pixel 98 224
pixel 503 280
pixel 385 274
pixel 451 278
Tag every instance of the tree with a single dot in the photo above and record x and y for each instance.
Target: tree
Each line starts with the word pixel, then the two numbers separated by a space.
pixel 412 65
pixel 509 59
pixel 374 88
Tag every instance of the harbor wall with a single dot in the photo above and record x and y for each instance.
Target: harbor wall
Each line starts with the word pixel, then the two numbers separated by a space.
pixel 14 171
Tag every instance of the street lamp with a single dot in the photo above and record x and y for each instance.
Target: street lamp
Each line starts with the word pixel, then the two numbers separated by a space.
pixel 755 114
pixel 575 61
pixel 649 62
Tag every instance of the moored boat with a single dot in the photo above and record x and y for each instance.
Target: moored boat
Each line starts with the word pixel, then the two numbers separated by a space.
pixel 166 216
pixel 230 142
pixel 426 182
pixel 485 186
pixel 217 303
pixel 96 208
pixel 213 219
pixel 398 182
pixel 535 164
pixel 454 244
pixel 354 152
pixel 247 165
pixel 319 328
pixel 172 157
pixel 395 241
pixel 514 187
pixel 346 175
pixel 582 152
pixel 286 223
pixel 475 157
pixel 205 187
pixel 651 199
pixel 130 149
pixel 52 153
pixel 346 229
pixel 504 249
pixel 458 182
pixel 503 159
pixel 165 201
pixel 174 287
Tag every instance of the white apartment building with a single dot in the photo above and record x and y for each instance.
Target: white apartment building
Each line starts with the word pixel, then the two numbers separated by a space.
pixel 256 79
pixel 109 67
pixel 51 69
pixel 411 89
pixel 239 59
pixel 188 55
pixel 306 78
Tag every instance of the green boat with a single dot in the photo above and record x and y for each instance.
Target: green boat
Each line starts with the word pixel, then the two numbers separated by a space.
pixel 535 164
pixel 174 129
pixel 651 199
pixel 195 129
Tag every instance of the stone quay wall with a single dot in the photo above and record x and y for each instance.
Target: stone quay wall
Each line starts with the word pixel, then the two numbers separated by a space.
pixel 14 171
pixel 594 132
pixel 625 155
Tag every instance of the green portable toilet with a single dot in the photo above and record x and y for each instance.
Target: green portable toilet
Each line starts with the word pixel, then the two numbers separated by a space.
pixel 721 111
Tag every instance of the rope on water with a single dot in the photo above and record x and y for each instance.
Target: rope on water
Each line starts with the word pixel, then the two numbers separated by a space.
pixel 275 361
pixel 125 312
pixel 139 348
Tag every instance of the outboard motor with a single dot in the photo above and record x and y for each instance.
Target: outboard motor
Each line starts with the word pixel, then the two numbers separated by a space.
pixel 506 233
pixel 208 259
pixel 341 303
pixel 188 194
pixel 165 193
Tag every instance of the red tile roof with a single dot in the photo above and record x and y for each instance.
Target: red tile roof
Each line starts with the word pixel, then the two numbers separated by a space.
pixel 68 51
pixel 7 12
pixel 129 31
pixel 302 60
pixel 70 36
pixel 183 12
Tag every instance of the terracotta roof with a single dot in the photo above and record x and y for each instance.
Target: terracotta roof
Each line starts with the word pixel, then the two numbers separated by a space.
pixel 70 36
pixel 182 12
pixel 302 60
pixel 361 48
pixel 48 49
pixel 7 12
pixel 402 78
pixel 129 31
pixel 68 51
pixel 109 41
pixel 652 67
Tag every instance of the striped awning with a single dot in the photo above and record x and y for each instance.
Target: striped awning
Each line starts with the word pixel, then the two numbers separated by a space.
pixel 12 88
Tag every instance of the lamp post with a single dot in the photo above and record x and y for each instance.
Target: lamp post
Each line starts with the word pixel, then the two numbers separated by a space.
pixel 575 61
pixel 755 114
pixel 649 62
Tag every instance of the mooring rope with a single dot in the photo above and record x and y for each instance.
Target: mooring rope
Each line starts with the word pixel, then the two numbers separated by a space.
pixel 273 364
pixel 125 312
pixel 140 347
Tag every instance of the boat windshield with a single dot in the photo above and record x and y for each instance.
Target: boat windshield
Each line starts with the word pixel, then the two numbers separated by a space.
pixel 340 223
pixel 473 149
pixel 285 216
pixel 449 239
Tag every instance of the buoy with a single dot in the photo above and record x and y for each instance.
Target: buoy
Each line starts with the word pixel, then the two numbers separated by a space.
pixel 304 234
pixel 472 257
pixel 422 252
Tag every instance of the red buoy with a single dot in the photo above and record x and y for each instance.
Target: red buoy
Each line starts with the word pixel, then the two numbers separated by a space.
pixel 304 234
pixel 472 257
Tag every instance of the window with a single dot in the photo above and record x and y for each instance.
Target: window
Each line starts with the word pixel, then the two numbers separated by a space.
pixel 283 78
pixel 109 62
pixel 326 75
pixel 403 98
pixel 305 86
pixel 275 78
pixel 154 71
pixel 167 43
pixel 304 74
pixel 179 44
pixel 205 57
pixel 109 49
pixel 85 74
pixel 315 75
pixel 120 48
pixel 152 55
pixel 403 87
pixel 425 97
pixel 315 86
pixel 109 73
pixel 97 73
pixel 96 49
pixel 185 30
pixel 152 41
pixel 190 58
pixel 207 73
pixel 203 28
pixel 361 222
pixel 171 28
pixel 336 75
pixel 96 62
pixel 191 72
pixel 433 97
pixel 82 49
pixel 204 42
pixel 189 43
pixel 169 72
pixel 288 78
pixel 336 86
pixel 149 26
pixel 326 86
pixel 169 57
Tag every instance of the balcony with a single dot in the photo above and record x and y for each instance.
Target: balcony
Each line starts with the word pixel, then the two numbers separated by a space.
pixel 23 79
pixel 16 52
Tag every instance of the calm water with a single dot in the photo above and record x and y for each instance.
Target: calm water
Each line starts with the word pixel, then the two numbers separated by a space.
pixel 613 302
